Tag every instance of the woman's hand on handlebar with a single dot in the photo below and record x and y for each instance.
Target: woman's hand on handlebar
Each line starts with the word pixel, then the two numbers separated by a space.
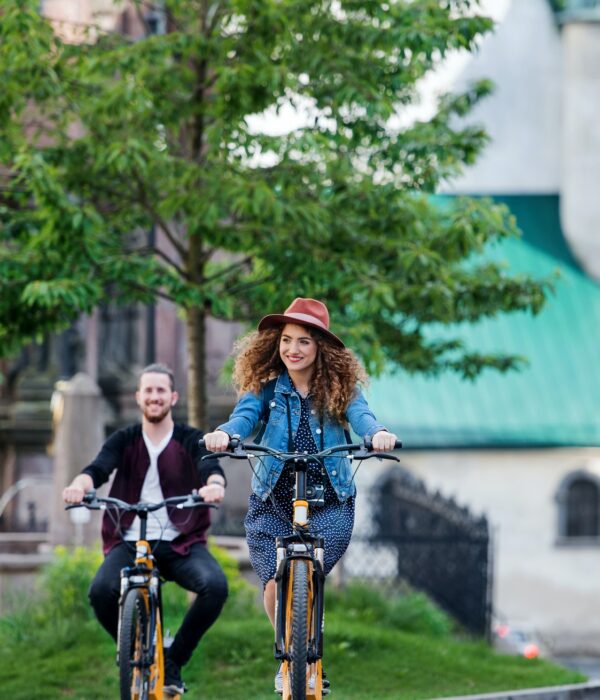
pixel 384 441
pixel 217 441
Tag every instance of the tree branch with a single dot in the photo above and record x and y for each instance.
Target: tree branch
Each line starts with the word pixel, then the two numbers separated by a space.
pixel 152 291
pixel 161 254
pixel 226 270
pixel 249 285
pixel 167 231
pixel 144 201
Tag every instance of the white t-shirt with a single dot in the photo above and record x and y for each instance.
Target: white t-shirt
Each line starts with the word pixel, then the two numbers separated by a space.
pixel 159 525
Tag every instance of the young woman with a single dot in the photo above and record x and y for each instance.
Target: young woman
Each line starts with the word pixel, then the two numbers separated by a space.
pixel 295 374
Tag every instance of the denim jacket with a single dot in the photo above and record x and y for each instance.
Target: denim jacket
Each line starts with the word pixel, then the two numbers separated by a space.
pixel 249 411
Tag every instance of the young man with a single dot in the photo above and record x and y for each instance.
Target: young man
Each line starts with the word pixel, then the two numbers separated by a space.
pixel 153 461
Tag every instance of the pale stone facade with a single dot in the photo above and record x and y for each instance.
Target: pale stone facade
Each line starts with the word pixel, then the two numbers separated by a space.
pixel 540 582
pixel 543 115
pixel 523 58
pixel 543 120
pixel 580 208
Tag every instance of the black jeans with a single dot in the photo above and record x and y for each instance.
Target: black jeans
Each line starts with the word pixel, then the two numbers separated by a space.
pixel 197 571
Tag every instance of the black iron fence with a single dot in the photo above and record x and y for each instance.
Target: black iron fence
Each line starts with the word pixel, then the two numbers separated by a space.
pixel 408 535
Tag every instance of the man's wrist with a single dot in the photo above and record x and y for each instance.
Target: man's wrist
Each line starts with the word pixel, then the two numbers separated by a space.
pixel 83 482
pixel 215 480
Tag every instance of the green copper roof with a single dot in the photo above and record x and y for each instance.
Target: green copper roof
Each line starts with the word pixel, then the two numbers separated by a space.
pixel 576 10
pixel 555 400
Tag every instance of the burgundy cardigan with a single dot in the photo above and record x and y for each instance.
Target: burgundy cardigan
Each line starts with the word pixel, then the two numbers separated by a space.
pixel 180 470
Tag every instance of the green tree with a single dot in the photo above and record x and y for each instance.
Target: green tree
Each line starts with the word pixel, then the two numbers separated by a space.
pixel 108 137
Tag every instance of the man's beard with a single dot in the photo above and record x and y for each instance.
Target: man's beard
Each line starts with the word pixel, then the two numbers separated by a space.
pixel 157 417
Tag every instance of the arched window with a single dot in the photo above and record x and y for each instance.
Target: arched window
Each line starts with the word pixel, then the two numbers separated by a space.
pixel 579 507
pixel 582 508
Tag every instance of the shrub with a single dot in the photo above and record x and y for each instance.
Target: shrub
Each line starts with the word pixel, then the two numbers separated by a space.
pixel 64 583
pixel 242 594
pixel 60 603
pixel 406 611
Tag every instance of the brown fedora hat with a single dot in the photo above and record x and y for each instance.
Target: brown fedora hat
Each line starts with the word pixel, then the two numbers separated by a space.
pixel 304 312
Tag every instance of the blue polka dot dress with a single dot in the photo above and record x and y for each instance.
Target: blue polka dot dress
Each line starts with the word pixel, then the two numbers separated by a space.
pixel 272 518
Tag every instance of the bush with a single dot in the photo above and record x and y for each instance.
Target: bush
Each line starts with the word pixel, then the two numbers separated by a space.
pixel 242 594
pixel 59 605
pixel 60 601
pixel 65 582
pixel 409 612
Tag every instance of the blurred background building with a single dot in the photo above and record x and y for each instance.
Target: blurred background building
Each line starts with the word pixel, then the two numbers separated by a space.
pixel 524 449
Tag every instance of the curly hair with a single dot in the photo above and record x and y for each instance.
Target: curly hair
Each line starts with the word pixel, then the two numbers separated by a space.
pixel 336 376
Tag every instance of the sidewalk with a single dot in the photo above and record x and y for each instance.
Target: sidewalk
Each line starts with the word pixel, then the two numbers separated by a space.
pixel 577 691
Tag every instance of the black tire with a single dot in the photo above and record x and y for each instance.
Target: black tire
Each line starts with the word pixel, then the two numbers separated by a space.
pixel 299 625
pixel 133 643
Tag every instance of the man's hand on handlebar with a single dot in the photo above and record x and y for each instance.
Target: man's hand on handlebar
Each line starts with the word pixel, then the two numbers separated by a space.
pixel 213 492
pixel 217 441
pixel 384 441
pixel 76 490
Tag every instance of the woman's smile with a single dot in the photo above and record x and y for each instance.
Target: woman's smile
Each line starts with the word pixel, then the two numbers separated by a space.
pixel 297 348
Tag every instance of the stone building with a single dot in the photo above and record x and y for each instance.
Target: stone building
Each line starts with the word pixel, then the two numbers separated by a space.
pixel 524 448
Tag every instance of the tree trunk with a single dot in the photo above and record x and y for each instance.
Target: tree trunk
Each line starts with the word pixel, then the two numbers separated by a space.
pixel 196 338
pixel 196 317
pixel 196 384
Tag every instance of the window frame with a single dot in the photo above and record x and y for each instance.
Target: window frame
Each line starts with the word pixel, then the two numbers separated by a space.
pixel 562 499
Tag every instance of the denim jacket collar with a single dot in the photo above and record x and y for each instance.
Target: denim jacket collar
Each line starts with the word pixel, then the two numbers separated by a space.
pixel 283 384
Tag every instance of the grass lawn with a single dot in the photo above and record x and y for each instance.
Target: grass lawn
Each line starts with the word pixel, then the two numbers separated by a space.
pixel 376 649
